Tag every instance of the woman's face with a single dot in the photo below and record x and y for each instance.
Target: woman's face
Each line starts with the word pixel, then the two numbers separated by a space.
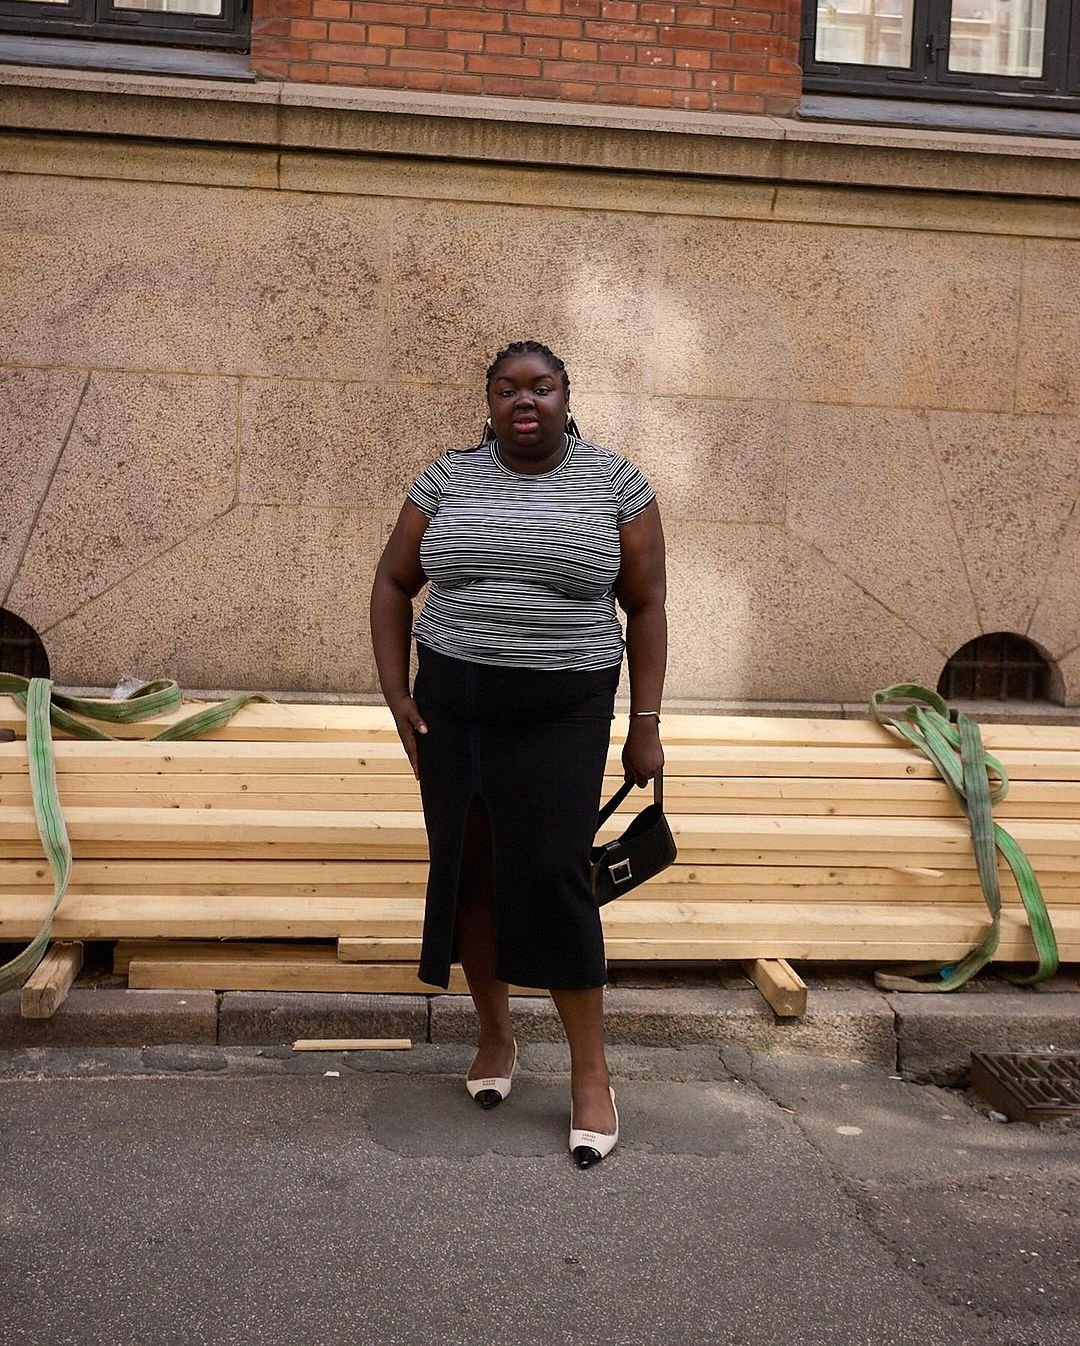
pixel 528 407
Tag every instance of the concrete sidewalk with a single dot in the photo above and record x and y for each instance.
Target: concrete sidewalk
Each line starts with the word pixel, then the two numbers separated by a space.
pixel 926 1038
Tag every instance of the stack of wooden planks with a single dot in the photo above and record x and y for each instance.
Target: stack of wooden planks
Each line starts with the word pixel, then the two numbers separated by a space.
pixel 287 851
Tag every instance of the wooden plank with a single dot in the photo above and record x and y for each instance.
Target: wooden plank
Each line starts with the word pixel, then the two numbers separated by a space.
pixel 780 930
pixel 781 986
pixel 688 795
pixel 295 877
pixel 352 1044
pixel 1049 800
pixel 379 949
pixel 340 801
pixel 225 781
pixel 203 757
pixel 206 757
pixel 290 974
pixel 275 722
pixel 929 947
pixel 298 973
pixel 280 721
pixel 746 920
pixel 351 795
pixel 45 990
pixel 686 929
pixel 236 951
pixel 956 862
pixel 275 914
pixel 778 731
pixel 105 916
pixel 245 833
pixel 392 878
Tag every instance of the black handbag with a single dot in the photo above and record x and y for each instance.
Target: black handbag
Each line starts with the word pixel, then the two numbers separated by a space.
pixel 644 849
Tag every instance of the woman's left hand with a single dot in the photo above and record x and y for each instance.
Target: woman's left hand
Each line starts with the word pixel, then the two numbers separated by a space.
pixel 642 755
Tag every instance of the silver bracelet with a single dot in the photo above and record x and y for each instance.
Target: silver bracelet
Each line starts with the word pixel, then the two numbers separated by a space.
pixel 654 713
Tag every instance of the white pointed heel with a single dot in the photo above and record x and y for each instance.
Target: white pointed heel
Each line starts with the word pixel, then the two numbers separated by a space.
pixel 589 1147
pixel 494 1089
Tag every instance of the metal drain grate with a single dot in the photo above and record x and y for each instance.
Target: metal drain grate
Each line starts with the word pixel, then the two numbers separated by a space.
pixel 1028 1086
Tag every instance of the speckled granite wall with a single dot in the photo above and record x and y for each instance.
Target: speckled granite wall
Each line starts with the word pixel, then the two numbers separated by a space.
pixel 862 415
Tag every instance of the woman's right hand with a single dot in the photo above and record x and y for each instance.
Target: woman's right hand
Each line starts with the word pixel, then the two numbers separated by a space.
pixel 409 723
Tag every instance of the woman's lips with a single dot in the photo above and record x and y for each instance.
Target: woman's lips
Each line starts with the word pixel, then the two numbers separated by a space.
pixel 525 424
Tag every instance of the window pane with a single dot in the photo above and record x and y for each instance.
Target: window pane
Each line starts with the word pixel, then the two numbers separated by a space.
pixel 998 37
pixel 212 7
pixel 865 32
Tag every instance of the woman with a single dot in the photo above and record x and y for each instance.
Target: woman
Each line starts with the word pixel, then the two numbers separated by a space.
pixel 528 539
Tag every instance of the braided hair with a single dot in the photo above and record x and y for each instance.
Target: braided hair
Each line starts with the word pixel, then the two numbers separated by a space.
pixel 553 363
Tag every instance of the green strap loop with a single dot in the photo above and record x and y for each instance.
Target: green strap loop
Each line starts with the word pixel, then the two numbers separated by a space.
pixel 977 781
pixel 46 707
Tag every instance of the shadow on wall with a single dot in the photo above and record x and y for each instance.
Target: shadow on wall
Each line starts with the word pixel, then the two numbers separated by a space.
pixel 21 648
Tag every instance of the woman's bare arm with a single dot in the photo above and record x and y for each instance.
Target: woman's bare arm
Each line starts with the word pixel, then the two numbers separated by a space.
pixel 642 593
pixel 398 579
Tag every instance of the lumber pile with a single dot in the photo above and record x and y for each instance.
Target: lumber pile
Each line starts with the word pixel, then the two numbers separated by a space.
pixel 295 836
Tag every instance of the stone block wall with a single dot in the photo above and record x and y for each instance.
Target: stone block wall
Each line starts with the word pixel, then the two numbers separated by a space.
pixel 220 367
pixel 712 55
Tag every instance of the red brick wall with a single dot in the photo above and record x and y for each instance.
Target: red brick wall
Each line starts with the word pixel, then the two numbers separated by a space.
pixel 713 55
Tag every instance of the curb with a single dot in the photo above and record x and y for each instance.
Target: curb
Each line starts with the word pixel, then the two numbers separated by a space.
pixel 927 1038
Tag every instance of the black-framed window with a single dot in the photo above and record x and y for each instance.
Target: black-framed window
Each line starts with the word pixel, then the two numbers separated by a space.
pixel 978 51
pixel 187 23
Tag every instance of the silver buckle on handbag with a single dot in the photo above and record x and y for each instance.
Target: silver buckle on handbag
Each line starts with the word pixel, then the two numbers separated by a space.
pixel 620 871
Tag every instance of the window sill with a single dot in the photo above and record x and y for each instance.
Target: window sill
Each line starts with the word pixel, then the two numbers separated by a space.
pixel 853 110
pixel 129 57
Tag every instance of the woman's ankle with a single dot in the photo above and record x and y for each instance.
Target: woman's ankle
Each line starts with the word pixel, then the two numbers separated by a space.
pixel 590 1073
pixel 496 1037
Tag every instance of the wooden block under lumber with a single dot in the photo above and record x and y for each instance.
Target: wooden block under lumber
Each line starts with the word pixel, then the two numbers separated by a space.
pixel 352 1044
pixel 288 973
pixel 47 986
pixel 781 986
pixel 378 949
pixel 224 950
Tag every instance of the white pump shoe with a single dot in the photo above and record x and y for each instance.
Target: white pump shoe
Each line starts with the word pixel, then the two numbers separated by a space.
pixel 589 1147
pixel 494 1089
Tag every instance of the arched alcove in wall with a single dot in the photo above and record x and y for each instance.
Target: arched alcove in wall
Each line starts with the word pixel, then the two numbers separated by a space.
pixel 21 648
pixel 1000 666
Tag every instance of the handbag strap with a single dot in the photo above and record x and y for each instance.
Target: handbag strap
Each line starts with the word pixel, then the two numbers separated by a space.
pixel 621 793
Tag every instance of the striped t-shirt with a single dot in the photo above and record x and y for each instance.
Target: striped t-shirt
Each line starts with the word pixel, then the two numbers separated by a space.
pixel 523 567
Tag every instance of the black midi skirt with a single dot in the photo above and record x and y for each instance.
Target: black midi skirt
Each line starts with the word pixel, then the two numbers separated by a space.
pixel 530 745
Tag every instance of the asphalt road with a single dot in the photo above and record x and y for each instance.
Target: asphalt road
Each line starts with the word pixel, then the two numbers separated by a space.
pixel 242 1198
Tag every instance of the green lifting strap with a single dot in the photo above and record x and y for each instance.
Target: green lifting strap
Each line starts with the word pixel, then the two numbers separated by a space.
pixel 46 707
pixel 977 781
